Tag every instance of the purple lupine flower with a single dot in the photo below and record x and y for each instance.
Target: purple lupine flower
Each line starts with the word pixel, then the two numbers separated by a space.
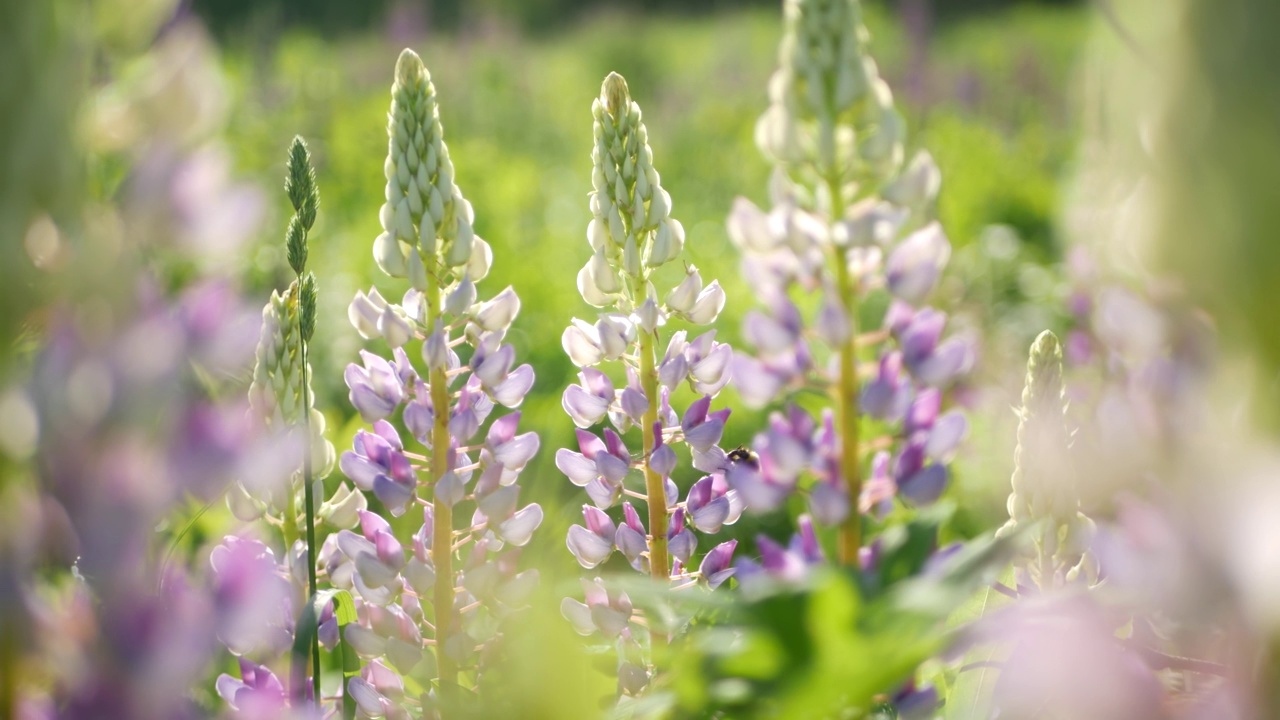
pixel 257 694
pixel 631 540
pixel 716 565
pixel 608 613
pixel 379 692
pixel 681 542
pixel 593 544
pixel 248 581
pixel 781 565
pixel 598 468
pixel 915 265
pixel 712 504
pixel 378 464
pixel 376 388
pixel 588 403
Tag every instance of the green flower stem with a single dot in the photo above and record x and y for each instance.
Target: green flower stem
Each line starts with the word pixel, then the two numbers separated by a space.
pixel 847 418
pixel 289 529
pixel 659 565
pixel 310 501
pixel 847 393
pixel 442 532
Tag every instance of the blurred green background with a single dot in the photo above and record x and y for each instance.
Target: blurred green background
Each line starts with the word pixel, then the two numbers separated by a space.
pixel 989 94
pixel 989 88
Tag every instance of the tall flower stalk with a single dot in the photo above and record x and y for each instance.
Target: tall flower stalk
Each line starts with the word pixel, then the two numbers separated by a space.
pixel 282 402
pixel 841 199
pixel 632 235
pixel 1044 501
pixel 468 575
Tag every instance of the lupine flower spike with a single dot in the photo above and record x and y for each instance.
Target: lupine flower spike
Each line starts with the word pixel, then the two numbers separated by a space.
pixel 841 200
pixel 631 235
pixel 1044 501
pixel 446 584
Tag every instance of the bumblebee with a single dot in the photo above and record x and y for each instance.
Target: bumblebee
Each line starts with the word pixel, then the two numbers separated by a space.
pixel 741 454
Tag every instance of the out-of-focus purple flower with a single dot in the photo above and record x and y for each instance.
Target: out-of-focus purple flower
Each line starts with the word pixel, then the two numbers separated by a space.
pixel 922 484
pixel 257 694
pixel 249 583
pixel 606 612
pixel 914 266
pixel 379 692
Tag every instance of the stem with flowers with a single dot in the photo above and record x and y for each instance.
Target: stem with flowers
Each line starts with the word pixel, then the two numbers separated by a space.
pixel 442 539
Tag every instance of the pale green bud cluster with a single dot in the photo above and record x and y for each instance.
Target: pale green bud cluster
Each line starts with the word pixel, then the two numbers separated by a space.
pixel 1044 500
pixel 632 231
pixel 277 395
pixel 830 113
pixel 427 223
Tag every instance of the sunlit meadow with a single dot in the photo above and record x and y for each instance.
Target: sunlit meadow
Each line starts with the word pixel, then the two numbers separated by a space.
pixel 822 359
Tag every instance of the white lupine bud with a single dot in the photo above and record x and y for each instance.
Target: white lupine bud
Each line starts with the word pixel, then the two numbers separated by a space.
pixel 404 229
pixel 616 334
pixel 581 342
pixel 243 505
pixel 597 235
pixel 660 206
pixel 387 253
pixel 637 216
pixel 603 276
pixel 393 326
pixel 649 316
pixel 660 248
pixel 414 197
pixel 461 298
pixel 497 314
pixel 344 508
pixel 435 206
pixel 918 184
pixel 460 250
pixel 631 257
pixel 277 395
pixel 616 231
pixel 677 238
pixel 421 185
pixel 417 271
pixel 644 190
pixel 481 259
pixel 681 298
pixel 364 311
pixel 587 288
pixel 709 304
pixel 427 238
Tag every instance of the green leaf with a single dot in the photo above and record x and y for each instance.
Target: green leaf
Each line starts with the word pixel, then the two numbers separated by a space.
pixel 344 609
pixel 969 696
